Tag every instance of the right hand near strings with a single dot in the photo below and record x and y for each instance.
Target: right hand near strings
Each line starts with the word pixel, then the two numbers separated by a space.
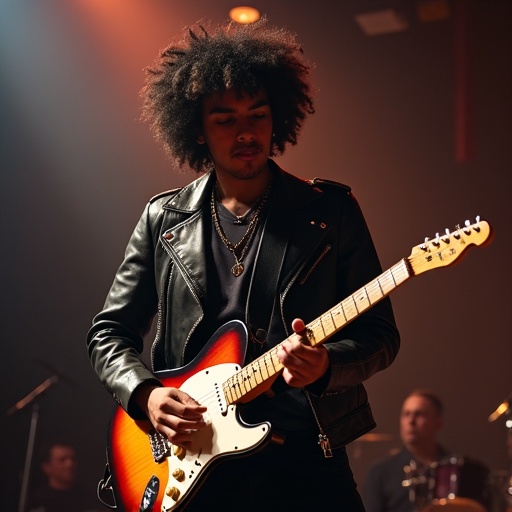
pixel 172 412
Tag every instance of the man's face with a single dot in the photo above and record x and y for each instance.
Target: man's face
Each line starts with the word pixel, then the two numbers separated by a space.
pixel 61 466
pixel 238 132
pixel 419 421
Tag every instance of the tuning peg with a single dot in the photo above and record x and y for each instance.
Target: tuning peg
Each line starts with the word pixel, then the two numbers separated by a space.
pixel 424 245
pixel 446 237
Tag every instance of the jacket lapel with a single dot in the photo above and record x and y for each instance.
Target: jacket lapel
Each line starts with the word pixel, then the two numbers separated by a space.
pixel 183 233
pixel 305 228
pixel 289 236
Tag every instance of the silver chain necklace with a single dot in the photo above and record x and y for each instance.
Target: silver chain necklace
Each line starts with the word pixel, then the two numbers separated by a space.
pixel 243 244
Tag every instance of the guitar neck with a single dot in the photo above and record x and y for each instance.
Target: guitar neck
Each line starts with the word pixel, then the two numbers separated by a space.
pixel 265 368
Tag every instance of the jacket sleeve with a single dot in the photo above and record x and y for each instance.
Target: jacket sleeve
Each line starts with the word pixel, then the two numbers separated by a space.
pixel 115 340
pixel 371 342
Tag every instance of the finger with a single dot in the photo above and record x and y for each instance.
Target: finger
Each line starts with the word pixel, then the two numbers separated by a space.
pixel 183 405
pixel 179 438
pixel 173 425
pixel 298 326
pixel 185 398
pixel 293 378
pixel 190 413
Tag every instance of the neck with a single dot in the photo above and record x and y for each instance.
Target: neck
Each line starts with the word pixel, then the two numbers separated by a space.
pixel 59 484
pixel 426 454
pixel 239 195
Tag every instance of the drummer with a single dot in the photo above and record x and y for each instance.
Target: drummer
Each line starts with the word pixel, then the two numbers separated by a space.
pixel 403 482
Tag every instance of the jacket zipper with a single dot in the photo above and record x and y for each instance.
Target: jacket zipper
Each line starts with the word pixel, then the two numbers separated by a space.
pixel 315 264
pixel 160 321
pixel 169 251
pixel 323 440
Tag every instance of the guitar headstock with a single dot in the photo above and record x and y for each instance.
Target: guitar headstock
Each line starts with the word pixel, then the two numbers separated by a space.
pixel 446 249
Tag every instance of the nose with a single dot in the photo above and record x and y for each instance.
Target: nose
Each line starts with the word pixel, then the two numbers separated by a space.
pixel 245 133
pixel 245 137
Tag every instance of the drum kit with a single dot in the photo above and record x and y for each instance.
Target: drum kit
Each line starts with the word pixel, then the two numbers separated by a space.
pixel 451 484
pixel 456 483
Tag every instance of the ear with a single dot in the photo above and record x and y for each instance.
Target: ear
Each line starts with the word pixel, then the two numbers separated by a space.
pixel 200 139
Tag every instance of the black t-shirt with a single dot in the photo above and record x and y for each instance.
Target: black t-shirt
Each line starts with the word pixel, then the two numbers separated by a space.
pixel 77 499
pixel 226 300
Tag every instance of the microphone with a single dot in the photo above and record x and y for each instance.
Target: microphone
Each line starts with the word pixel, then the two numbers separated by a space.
pixel 59 374
pixel 503 408
pixel 43 387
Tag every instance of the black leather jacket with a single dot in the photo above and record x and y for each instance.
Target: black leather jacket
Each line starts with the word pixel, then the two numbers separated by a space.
pixel 329 255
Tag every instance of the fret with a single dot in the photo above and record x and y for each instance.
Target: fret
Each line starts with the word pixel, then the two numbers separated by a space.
pixel 349 308
pixel 338 316
pixel 328 324
pixel 361 300
pixel 387 282
pixel 374 292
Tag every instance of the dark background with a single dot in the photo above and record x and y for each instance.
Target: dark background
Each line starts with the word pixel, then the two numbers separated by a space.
pixel 77 167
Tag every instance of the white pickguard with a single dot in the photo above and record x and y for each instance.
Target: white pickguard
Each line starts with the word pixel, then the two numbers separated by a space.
pixel 225 434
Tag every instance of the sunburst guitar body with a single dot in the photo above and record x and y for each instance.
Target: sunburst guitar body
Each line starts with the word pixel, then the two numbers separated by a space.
pixel 151 474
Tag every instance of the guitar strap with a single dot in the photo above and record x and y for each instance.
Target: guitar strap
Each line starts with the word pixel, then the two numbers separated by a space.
pixel 268 264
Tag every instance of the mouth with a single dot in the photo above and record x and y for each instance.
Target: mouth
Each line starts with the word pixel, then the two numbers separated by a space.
pixel 247 153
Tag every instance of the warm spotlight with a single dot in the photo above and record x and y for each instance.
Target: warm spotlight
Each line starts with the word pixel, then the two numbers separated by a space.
pixel 244 14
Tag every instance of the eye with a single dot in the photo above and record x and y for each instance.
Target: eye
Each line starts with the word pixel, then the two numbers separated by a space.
pixel 223 120
pixel 260 114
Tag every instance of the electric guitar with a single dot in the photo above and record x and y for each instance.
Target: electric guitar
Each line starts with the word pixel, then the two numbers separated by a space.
pixel 149 473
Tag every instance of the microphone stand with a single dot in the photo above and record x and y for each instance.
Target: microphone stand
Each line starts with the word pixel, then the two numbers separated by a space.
pixel 31 398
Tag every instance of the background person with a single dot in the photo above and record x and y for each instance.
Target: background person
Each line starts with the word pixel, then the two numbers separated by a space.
pixel 401 482
pixel 61 490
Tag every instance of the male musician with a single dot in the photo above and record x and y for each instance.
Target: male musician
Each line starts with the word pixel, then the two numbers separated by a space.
pixel 421 419
pixel 247 241
pixel 408 480
pixel 61 490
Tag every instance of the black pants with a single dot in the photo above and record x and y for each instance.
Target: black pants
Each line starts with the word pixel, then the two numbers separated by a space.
pixel 294 476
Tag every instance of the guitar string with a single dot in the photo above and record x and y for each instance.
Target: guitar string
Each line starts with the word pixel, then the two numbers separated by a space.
pixel 211 396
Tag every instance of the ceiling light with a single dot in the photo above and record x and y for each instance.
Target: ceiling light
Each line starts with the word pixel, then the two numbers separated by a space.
pixel 244 14
pixel 382 22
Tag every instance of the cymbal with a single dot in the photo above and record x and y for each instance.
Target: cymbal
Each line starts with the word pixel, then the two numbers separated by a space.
pixel 455 504
pixel 374 437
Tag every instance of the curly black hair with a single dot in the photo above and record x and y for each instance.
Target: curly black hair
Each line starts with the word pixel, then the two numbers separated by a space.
pixel 213 58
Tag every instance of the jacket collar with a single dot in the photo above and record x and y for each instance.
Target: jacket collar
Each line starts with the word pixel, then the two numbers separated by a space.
pixel 191 198
pixel 294 191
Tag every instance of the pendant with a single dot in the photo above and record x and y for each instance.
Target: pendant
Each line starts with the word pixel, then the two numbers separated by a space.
pixel 237 269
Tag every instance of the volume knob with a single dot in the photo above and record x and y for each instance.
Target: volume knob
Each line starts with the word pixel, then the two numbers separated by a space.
pixel 172 492
pixel 179 451
pixel 179 474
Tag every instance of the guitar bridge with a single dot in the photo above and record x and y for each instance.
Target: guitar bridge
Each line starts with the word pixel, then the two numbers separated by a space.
pixel 160 446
